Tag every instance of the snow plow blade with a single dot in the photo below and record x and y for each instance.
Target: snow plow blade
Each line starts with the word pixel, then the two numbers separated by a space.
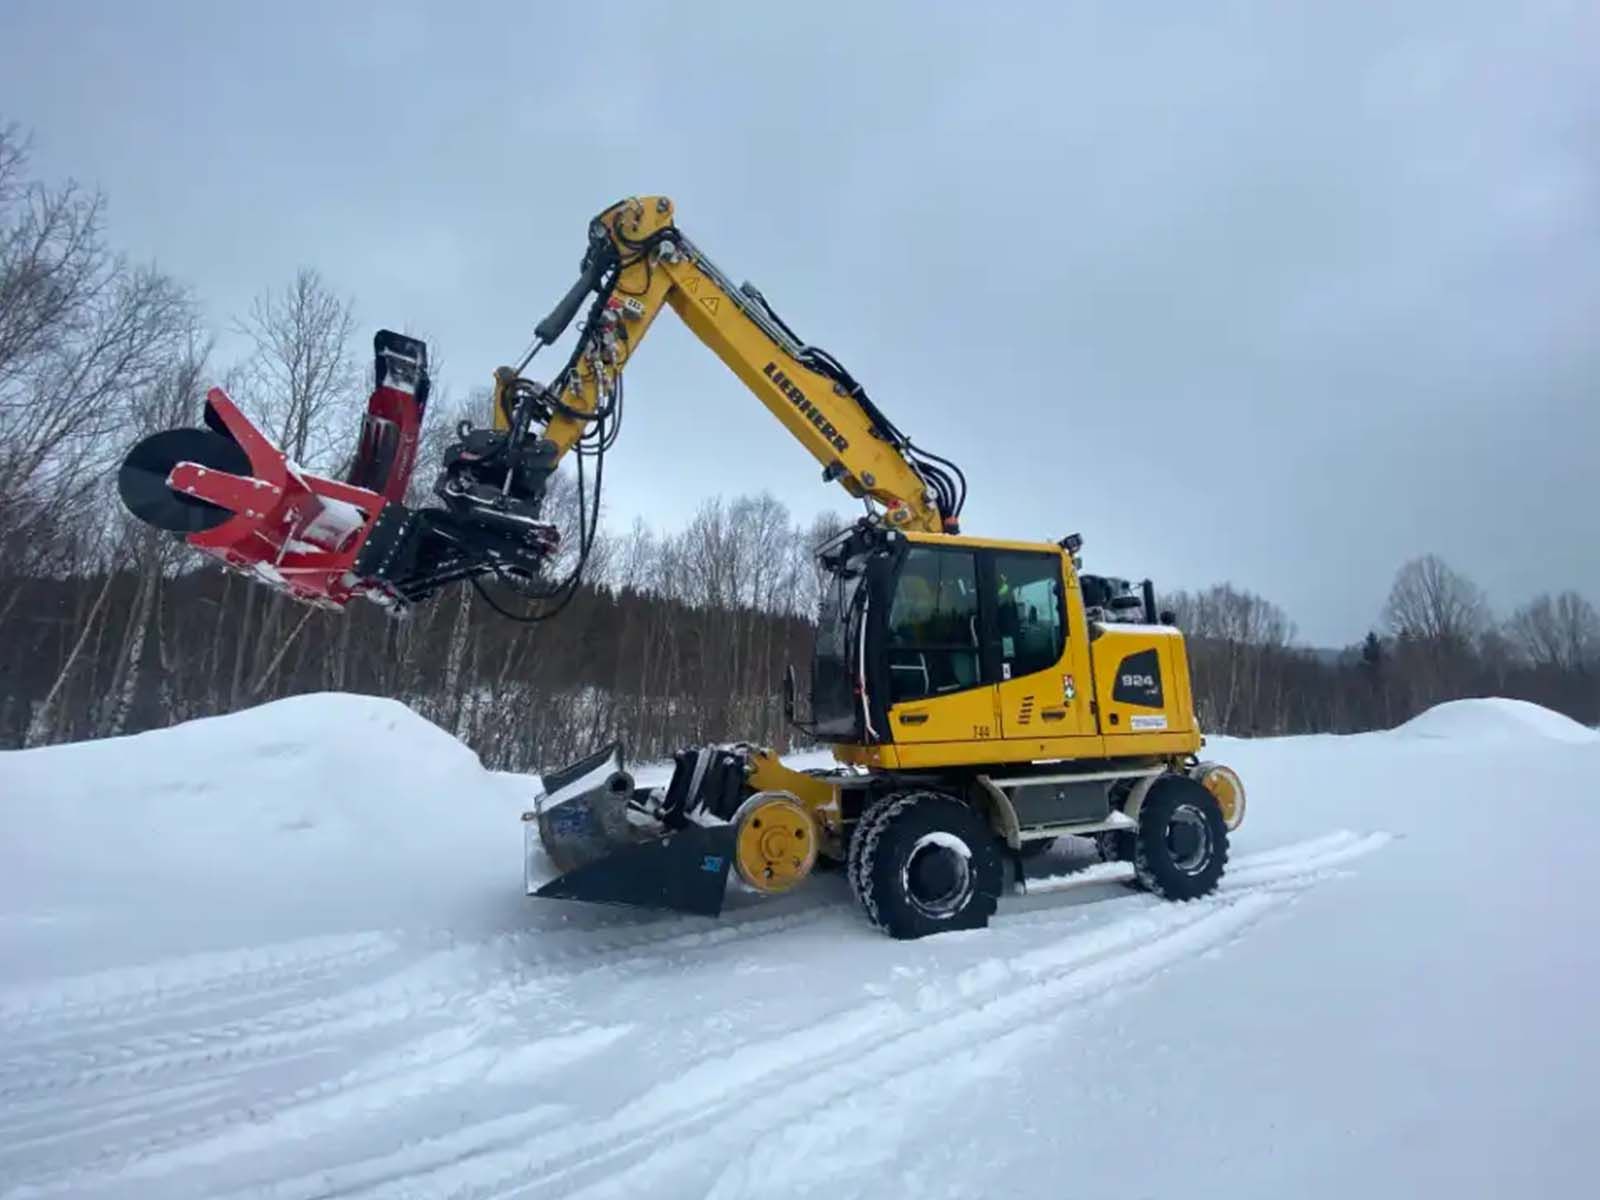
pixel 585 830
pixel 685 871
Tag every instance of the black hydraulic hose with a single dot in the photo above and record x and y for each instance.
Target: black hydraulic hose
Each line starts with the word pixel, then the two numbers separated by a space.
pixel 958 485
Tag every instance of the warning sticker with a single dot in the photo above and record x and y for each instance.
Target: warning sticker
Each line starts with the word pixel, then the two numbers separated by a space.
pixel 1155 722
pixel 712 303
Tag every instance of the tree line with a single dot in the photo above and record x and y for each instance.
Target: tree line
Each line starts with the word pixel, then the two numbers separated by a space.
pixel 108 627
pixel 1438 640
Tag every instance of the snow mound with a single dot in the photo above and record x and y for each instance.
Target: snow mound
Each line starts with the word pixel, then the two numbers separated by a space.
pixel 336 807
pixel 318 741
pixel 1496 719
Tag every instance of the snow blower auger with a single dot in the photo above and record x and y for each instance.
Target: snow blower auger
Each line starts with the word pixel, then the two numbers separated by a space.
pixel 235 496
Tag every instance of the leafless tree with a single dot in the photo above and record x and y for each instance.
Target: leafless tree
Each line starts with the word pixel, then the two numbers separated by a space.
pixel 1439 617
pixel 52 259
pixel 1561 632
pixel 302 380
pixel 81 333
pixel 1430 602
pixel 1238 645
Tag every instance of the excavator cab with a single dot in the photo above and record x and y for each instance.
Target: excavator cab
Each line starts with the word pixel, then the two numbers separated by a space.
pixel 920 636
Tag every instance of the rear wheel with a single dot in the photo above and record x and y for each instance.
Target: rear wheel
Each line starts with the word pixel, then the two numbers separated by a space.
pixel 1182 843
pixel 870 812
pixel 928 864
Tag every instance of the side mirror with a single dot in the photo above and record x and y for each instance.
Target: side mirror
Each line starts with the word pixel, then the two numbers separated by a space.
pixel 788 692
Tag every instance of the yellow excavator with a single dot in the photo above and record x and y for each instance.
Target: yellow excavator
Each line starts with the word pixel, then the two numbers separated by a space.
pixel 982 697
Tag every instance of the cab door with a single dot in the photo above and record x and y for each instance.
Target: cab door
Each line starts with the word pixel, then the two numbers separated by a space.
pixel 1042 692
pixel 939 689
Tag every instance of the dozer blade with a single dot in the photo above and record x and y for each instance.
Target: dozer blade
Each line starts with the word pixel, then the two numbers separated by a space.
pixel 685 870
pixel 605 858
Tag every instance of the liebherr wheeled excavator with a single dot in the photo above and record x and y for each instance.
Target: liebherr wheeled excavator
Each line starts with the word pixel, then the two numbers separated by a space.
pixel 982 697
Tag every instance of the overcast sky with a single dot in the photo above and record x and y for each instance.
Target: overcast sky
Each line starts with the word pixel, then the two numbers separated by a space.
pixel 1279 294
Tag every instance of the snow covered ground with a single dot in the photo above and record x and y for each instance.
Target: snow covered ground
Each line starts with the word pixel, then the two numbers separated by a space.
pixel 286 954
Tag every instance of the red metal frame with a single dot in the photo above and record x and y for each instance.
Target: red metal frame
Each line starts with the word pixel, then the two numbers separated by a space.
pixel 297 532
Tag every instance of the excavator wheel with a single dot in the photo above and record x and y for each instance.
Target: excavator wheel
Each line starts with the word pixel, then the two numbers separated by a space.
pixel 928 864
pixel 870 812
pixel 1182 844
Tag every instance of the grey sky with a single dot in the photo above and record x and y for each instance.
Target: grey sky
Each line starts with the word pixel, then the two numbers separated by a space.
pixel 1272 293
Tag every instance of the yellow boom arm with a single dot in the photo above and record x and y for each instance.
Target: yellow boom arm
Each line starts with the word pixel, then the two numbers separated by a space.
pixel 655 265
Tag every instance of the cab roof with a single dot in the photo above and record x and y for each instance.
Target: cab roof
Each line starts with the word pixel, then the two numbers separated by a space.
pixel 970 542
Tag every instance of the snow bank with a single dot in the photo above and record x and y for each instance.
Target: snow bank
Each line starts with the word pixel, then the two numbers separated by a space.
pixel 1495 720
pixel 327 811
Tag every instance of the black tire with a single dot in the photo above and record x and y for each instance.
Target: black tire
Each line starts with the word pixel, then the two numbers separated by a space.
pixel 1114 845
pixel 870 812
pixel 1182 844
pixel 929 864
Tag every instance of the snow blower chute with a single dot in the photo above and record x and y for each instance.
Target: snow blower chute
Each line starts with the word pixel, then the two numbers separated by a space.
pixel 236 496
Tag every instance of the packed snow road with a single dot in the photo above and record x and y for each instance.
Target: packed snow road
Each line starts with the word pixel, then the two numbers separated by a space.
pixel 286 954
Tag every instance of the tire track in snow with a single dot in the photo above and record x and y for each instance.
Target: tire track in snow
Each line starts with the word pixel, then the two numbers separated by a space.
pixel 998 999
pixel 126 995
pixel 79 1007
pixel 730 1096
pixel 1113 879
pixel 605 942
pixel 438 1060
pixel 55 1101
pixel 430 984
pixel 415 990
pixel 194 1125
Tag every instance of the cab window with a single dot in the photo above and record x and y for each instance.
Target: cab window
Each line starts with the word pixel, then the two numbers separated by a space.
pixel 1029 616
pixel 933 624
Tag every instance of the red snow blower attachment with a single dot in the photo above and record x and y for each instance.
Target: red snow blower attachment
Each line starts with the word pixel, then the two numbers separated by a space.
pixel 236 496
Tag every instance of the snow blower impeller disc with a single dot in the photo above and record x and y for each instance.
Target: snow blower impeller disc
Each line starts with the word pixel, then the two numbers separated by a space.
pixel 142 479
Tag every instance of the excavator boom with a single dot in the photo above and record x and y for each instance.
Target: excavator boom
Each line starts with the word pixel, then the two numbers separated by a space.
pixel 655 265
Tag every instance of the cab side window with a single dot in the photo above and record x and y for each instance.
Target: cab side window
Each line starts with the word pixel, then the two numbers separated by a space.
pixel 1029 615
pixel 933 624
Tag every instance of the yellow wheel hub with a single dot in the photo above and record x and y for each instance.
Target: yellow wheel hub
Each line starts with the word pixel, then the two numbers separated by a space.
pixel 775 842
pixel 1226 787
